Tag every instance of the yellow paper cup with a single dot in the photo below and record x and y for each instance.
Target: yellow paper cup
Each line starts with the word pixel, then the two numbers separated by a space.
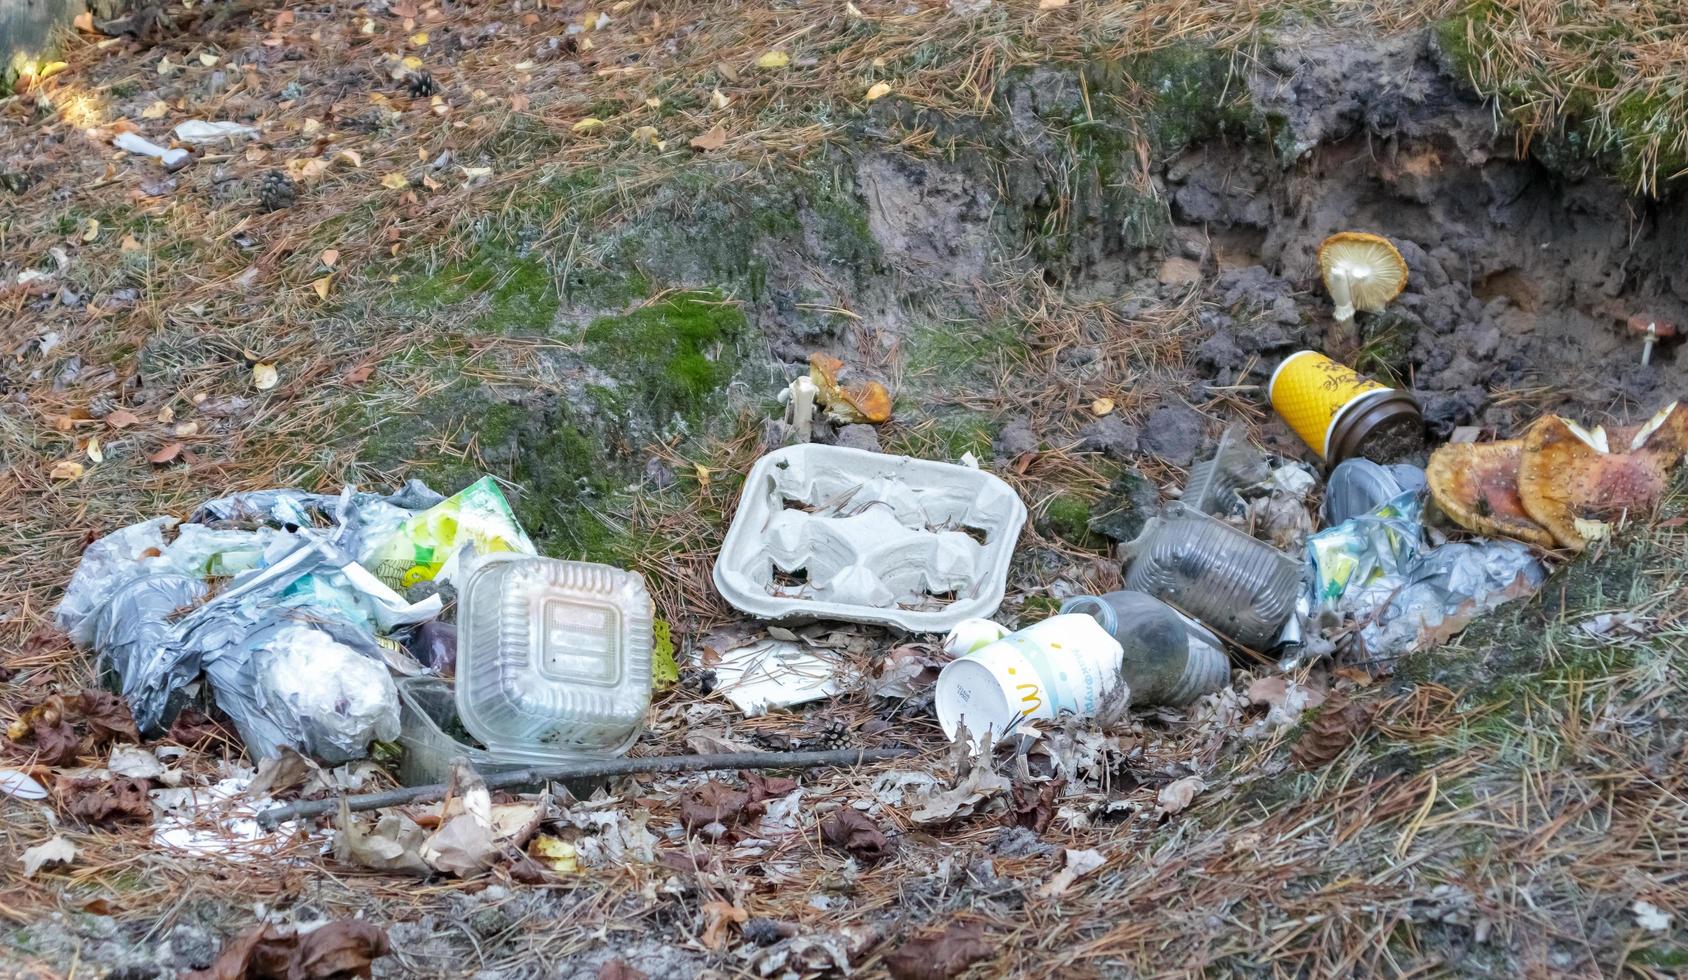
pixel 1312 393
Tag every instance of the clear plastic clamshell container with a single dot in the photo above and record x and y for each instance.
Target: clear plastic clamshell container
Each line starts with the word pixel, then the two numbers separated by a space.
pixel 554 657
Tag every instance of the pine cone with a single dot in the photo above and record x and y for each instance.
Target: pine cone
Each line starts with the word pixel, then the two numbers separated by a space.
pixel 276 190
pixel 1339 724
pixel 832 737
pixel 421 85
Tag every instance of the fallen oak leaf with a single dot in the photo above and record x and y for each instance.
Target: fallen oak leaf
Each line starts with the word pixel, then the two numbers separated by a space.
pixel 713 802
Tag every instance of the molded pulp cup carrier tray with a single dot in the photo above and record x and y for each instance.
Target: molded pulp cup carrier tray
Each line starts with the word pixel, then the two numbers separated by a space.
pixel 554 657
pixel 825 532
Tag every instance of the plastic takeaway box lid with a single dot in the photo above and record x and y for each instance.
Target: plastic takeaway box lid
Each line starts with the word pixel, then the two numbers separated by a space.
pixel 554 657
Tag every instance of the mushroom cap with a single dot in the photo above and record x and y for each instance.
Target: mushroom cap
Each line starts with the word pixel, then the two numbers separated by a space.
pixel 1476 484
pixel 1647 323
pixel 1567 481
pixel 1376 271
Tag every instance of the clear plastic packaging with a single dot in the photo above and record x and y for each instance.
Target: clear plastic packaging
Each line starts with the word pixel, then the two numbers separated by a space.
pixel 1169 658
pixel 554 657
pixel 431 735
pixel 1213 484
pixel 1235 584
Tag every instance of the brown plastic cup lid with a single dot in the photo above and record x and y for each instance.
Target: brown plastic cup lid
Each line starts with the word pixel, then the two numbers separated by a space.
pixel 1374 415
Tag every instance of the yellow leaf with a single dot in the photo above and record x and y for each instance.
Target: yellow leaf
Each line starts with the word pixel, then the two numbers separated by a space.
pixel 646 134
pixel 878 91
pixel 419 38
pixel 471 174
pixel 165 67
pixel 65 469
pixel 352 157
pixel 588 126
pixel 209 60
pixel 93 449
pixel 321 286
pixel 718 100
pixel 264 376
pixel 1050 4
pixel 92 231
pixel 1102 406
pixel 702 475
pixel 166 415
pixel 852 11
pixel 773 59
pixel 330 256
pixel 311 127
pixel 158 110
pixel 653 103
pixel 307 169
pixel 395 182
pixel 367 27
pixel 184 429
pixel 412 63
pixel 558 855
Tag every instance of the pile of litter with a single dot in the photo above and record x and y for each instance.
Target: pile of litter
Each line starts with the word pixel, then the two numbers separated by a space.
pixel 350 639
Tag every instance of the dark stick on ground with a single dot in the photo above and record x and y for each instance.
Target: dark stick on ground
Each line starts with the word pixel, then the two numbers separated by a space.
pixel 587 770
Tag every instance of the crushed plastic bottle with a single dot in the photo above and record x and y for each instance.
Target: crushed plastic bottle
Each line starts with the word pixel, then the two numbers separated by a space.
pixel 1169 659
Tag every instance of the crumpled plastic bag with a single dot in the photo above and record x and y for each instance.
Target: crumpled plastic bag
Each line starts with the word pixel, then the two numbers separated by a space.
pixel 1376 570
pixel 319 687
pixel 433 545
pixel 106 564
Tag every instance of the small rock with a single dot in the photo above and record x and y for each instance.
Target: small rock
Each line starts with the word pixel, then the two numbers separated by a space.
pixel 1174 433
pixel 1128 505
pixel 857 437
pixel 1445 411
pixel 1109 436
pixel 1220 352
pixel 776 434
pixel 1178 271
pixel 659 474
pixel 1015 440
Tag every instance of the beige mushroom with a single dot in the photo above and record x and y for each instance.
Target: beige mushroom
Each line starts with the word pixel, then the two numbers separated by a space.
pixel 1362 272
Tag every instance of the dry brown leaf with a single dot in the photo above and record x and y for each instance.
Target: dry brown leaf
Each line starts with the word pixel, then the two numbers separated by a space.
pixel 107 716
pixel 84 22
pixel 854 832
pixel 1339 724
pixel 66 470
pixel 335 951
pixel 941 956
pixel 714 139
pixel 121 418
pixel 360 374
pixel 164 455
pixel 722 917
pixel 329 257
pixel 102 802
pixel 620 969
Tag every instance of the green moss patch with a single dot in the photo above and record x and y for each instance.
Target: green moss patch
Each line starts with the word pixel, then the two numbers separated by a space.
pixel 668 358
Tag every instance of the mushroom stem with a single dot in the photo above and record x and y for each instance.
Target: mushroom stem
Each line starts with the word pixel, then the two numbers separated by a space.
pixel 1342 294
pixel 1647 343
pixel 802 406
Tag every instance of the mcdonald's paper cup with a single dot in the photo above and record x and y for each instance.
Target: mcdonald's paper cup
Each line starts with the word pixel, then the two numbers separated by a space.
pixel 1313 393
pixel 1062 666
